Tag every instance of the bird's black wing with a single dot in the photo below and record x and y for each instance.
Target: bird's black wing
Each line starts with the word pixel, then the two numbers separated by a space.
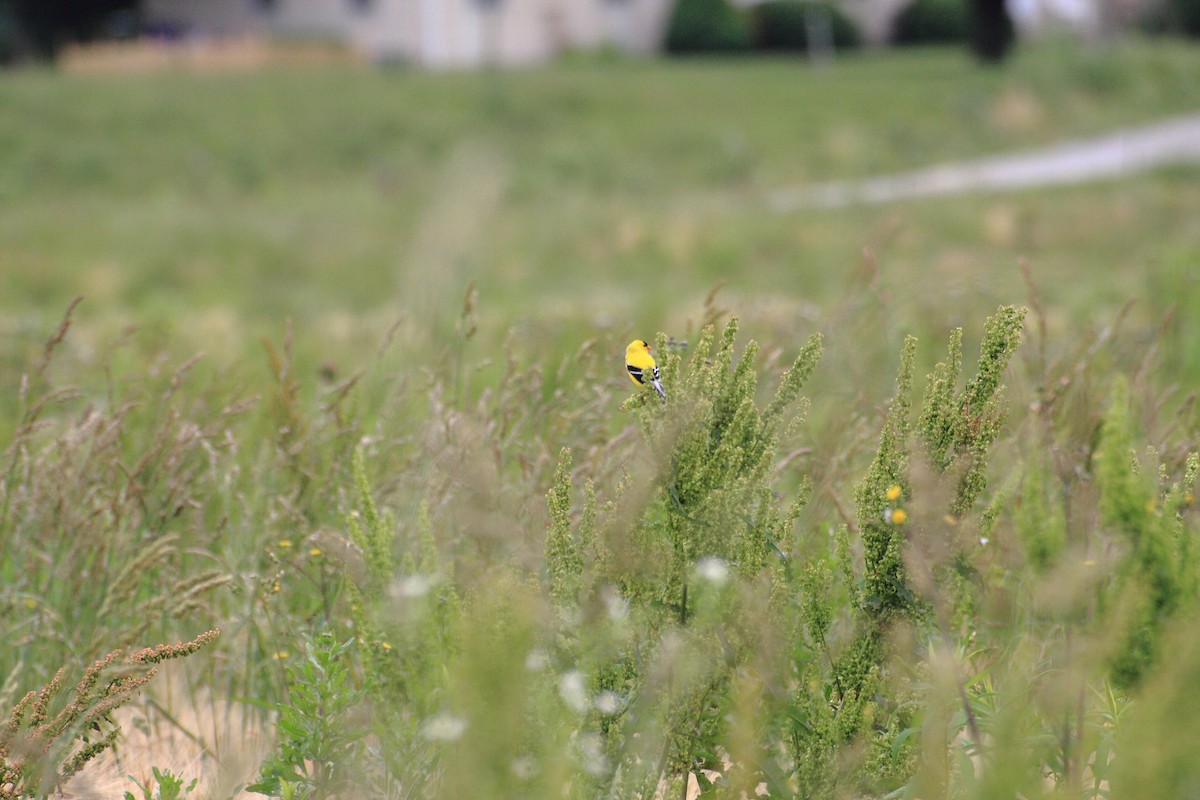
pixel 636 372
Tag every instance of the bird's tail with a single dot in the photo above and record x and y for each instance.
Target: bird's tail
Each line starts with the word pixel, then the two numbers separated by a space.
pixel 658 387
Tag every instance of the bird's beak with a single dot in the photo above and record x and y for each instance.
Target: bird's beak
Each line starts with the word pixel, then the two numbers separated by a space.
pixel 648 347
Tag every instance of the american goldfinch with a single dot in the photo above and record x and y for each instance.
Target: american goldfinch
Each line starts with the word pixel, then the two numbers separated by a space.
pixel 640 365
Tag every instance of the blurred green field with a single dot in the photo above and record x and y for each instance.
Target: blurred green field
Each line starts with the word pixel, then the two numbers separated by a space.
pixel 440 272
pixel 607 194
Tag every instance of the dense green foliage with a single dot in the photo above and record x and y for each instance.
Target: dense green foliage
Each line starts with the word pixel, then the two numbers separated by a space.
pixel 1179 17
pixel 933 21
pixel 785 25
pixel 1188 14
pixel 706 26
pixel 318 744
pixel 47 24
pixel 993 33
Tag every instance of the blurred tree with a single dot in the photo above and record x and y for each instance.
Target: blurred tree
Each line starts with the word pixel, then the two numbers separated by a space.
pixel 933 22
pixel 706 26
pixel 992 31
pixel 786 25
pixel 46 24
pixel 11 43
pixel 1187 16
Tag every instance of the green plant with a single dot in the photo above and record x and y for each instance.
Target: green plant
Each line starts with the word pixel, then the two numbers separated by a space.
pixel 320 741
pixel 836 701
pixel 958 430
pixel 913 582
pixel 703 514
pixel 167 786
pixel 404 616
pixel 1158 580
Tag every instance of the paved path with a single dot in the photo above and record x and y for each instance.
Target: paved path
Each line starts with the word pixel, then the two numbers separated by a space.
pixel 1173 141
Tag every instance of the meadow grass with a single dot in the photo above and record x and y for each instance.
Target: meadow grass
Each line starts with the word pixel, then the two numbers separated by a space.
pixel 213 203
pixel 345 384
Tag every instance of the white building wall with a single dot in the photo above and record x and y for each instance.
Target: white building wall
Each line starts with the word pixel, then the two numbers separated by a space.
pixel 210 18
pixel 435 33
pixel 649 27
pixel 527 31
pixel 312 17
pixel 384 31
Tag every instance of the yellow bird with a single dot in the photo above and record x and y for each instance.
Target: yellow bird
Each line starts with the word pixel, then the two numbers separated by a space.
pixel 640 365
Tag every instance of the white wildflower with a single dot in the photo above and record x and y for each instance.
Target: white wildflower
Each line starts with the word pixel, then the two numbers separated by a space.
pixel 524 767
pixel 573 691
pixel 608 702
pixel 537 660
pixel 615 605
pixel 713 570
pixel 591 752
pixel 413 586
pixel 443 727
